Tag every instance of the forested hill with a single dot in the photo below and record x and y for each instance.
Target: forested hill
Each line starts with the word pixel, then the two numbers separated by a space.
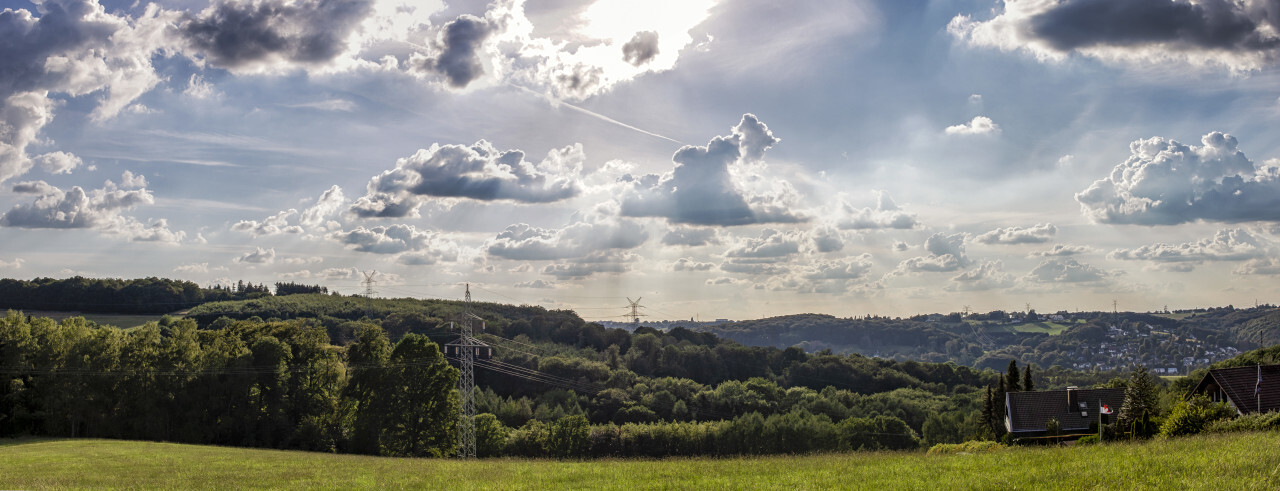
pixel 1084 341
pixel 120 296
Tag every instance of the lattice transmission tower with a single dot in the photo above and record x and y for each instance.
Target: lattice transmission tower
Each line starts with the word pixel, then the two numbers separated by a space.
pixel 635 307
pixel 467 347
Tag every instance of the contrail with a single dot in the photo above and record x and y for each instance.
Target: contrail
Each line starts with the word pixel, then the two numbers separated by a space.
pixel 557 102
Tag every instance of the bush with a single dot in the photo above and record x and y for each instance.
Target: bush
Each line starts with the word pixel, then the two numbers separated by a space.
pixel 1248 422
pixel 971 446
pixel 1193 415
pixel 1088 440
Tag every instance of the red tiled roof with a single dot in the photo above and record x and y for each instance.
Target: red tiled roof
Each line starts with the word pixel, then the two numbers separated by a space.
pixel 1029 411
pixel 1239 383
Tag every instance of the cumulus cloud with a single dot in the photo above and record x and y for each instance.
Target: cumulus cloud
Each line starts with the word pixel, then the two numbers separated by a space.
pixel 946 254
pixel 641 48
pixel 989 275
pixel 1225 245
pixel 1065 270
pixel 523 242
pixel 156 230
pixel 827 239
pixel 326 206
pixel 1261 266
pixel 1017 235
pixel 597 262
pixel 258 35
pixel 75 208
pixel 703 189
pixel 275 224
pixel 420 247
pixel 456 53
pixel 766 254
pixel 1165 182
pixel 198 268
pixel 535 284
pixel 691 236
pixel 1240 35
pixel 848 268
pixel 291 221
pixel 479 172
pixel 1061 250
pixel 979 125
pixel 258 256
pixel 16 263
pixel 73 47
pixel 688 264
pixel 885 215
pixel 33 187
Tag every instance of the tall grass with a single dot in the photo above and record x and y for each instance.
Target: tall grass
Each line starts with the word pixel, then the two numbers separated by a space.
pixel 1236 461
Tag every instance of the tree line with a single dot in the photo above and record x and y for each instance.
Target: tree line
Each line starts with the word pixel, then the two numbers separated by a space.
pixel 132 296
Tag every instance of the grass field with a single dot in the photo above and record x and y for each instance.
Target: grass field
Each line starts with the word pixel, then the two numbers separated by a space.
pixel 123 321
pixel 1242 461
pixel 1050 328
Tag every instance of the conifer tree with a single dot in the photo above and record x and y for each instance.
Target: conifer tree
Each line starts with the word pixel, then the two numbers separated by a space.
pixel 1011 377
pixel 1140 399
pixel 1026 379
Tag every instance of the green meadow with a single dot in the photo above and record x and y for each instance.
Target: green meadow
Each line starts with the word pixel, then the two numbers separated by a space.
pixel 1235 461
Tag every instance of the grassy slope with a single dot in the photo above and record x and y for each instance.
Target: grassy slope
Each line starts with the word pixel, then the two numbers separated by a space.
pixel 123 321
pixel 1196 462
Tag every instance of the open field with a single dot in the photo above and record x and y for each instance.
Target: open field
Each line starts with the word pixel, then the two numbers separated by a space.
pixel 123 321
pixel 1216 461
pixel 1050 328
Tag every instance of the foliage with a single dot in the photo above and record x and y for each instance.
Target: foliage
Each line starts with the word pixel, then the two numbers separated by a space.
pixel 1141 397
pixel 1268 421
pixel 1193 415
pixel 1088 440
pixel 969 447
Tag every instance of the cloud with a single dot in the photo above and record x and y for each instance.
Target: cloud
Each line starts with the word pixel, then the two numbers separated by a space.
pixel 258 256
pixel 989 275
pixel 885 215
pixel 690 236
pixel 272 225
pixel 1238 35
pixel 535 284
pixel 598 262
pixel 523 242
pixel 478 172
pixel 900 246
pixel 1061 250
pixel 979 125
pixel 156 230
pixel 326 206
pixel 703 188
pixel 766 254
pixel 16 263
pixel 424 247
pixel 1261 266
pixel 198 268
pixel 1065 270
pixel 1225 245
pixel 267 35
pixel 304 260
pixel 848 268
pixel 75 48
pixel 827 239
pixel 1164 182
pixel 688 264
pixel 33 187
pixel 946 254
pixel 457 51
pixel 75 208
pixel 1017 235
pixel 641 48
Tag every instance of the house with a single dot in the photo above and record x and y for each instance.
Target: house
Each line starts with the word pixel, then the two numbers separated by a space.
pixel 1026 413
pixel 1237 386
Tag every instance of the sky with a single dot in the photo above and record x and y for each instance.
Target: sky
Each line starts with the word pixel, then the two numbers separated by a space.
pixel 714 158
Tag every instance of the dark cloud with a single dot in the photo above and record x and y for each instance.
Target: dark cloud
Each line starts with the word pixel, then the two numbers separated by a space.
pixel 1165 182
pixel 479 172
pixel 1018 235
pixel 641 48
pixel 235 34
pixel 1206 24
pixel 693 237
pixel 700 190
pixel 458 45
pixel 33 187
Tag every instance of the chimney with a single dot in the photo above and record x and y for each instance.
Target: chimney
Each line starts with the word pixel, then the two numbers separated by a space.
pixel 1072 395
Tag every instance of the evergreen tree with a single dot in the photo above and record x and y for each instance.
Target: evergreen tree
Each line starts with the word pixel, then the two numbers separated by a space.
pixel 1140 399
pixel 1011 377
pixel 988 409
pixel 997 426
pixel 1026 379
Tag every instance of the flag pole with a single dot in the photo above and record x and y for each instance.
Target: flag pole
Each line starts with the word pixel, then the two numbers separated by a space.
pixel 1099 420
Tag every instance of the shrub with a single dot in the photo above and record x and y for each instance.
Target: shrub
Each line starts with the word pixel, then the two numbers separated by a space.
pixel 971 446
pixel 1248 422
pixel 1088 440
pixel 1193 415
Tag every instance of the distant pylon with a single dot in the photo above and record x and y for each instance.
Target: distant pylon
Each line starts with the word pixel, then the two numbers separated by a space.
pixel 635 314
pixel 369 282
pixel 467 344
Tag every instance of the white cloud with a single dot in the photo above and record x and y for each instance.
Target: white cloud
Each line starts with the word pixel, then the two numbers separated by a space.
pixel 979 125
pixel 58 162
pixel 989 275
pixel 523 242
pixel 946 254
pixel 827 239
pixel 272 225
pixel 1263 266
pixel 535 284
pixel 691 236
pixel 1165 182
pixel 707 187
pixel 689 264
pixel 258 256
pixel 1065 270
pixel 16 263
pixel 1059 250
pixel 1017 235
pixel 75 208
pixel 599 262
pixel 422 247
pixel 1225 245
pixel 885 215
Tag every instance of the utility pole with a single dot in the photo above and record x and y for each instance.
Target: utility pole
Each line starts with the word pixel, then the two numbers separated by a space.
pixel 369 292
pixel 635 310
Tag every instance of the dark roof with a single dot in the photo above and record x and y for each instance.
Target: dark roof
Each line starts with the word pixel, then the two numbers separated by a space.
pixel 1238 385
pixel 1029 411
